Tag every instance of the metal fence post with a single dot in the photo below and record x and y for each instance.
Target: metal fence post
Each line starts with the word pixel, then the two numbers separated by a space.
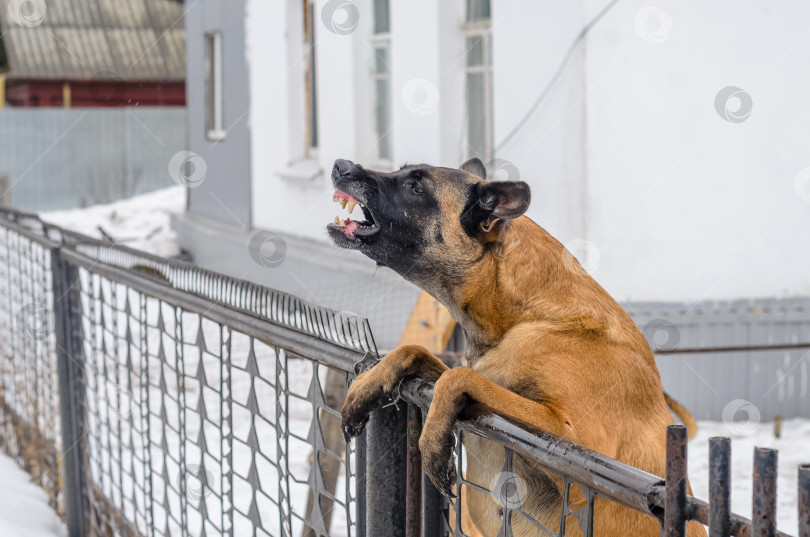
pixel 675 499
pixel 70 371
pixel 719 487
pixel 386 471
pixel 804 500
pixel 763 514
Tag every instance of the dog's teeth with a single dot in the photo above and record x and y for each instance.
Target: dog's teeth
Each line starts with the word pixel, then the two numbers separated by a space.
pixel 343 203
pixel 351 206
pixel 334 198
pixel 337 220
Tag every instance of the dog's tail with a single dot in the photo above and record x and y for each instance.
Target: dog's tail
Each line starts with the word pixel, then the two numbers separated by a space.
pixel 684 415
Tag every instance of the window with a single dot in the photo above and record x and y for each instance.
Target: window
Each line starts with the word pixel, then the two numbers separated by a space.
pixel 311 82
pixel 381 42
pixel 479 79
pixel 214 124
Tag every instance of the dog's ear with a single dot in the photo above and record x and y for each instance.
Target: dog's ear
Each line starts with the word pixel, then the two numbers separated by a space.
pixel 493 202
pixel 475 167
pixel 504 199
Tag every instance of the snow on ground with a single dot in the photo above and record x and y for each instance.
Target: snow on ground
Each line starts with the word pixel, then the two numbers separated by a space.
pixel 24 509
pixel 141 222
pixel 794 449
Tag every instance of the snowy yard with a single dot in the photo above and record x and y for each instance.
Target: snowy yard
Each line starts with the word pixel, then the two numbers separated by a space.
pixel 794 449
pixel 143 223
pixel 24 509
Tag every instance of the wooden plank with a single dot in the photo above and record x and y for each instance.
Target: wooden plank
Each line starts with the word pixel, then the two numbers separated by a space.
pixel 430 325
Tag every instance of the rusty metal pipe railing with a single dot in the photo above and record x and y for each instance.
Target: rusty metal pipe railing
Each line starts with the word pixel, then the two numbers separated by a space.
pixel 763 513
pixel 719 487
pixel 617 481
pixel 804 500
pixel 675 487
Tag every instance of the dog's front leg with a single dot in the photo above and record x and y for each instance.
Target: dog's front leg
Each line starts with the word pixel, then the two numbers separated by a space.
pixel 456 389
pixel 366 391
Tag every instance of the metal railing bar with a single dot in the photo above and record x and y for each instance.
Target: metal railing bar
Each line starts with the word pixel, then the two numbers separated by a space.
pixel 739 348
pixel 614 480
pixel 264 330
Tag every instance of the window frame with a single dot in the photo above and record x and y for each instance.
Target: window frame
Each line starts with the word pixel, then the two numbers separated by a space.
pixel 214 87
pixel 382 40
pixel 311 138
pixel 480 28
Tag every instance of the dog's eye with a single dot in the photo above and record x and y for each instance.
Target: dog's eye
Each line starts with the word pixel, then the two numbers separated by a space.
pixel 417 188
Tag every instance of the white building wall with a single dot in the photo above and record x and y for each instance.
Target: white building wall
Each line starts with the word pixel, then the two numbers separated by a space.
pixel 683 205
pixel 627 152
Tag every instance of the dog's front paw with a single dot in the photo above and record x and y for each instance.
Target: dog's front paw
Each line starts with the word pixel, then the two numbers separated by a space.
pixel 439 462
pixel 364 395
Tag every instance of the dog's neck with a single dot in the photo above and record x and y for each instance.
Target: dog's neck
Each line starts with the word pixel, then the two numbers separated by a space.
pixel 522 279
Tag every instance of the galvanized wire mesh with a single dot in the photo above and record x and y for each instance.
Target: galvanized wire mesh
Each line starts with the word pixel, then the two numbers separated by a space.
pixel 195 428
pixel 188 425
pixel 29 398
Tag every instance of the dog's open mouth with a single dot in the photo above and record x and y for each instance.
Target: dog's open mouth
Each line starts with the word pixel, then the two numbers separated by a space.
pixel 353 229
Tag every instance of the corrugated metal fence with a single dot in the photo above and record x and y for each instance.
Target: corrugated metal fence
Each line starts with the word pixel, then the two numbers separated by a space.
pixel 63 158
pixel 769 378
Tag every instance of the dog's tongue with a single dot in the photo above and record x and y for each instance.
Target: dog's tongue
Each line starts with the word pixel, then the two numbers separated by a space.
pixel 350 227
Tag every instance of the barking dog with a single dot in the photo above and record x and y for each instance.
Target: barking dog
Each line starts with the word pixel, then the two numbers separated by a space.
pixel 545 343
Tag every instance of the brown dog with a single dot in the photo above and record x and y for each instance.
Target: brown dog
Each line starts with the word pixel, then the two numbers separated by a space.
pixel 545 343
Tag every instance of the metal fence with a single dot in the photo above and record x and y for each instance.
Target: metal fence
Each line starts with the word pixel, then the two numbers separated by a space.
pixel 154 398
pixel 61 158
